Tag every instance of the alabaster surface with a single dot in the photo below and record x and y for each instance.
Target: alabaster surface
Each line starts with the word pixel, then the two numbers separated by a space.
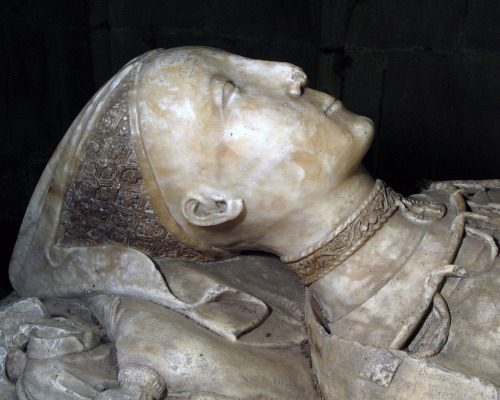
pixel 135 271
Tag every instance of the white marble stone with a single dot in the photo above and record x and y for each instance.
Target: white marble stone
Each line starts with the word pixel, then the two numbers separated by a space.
pixel 188 157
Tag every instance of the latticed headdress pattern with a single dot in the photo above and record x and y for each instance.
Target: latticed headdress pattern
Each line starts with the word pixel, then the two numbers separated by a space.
pixel 107 201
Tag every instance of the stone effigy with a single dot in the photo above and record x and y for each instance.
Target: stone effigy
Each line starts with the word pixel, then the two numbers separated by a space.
pixel 128 275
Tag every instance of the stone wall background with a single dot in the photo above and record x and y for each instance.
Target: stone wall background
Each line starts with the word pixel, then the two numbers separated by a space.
pixel 426 71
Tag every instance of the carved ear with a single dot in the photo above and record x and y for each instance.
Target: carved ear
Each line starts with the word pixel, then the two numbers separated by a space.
pixel 210 210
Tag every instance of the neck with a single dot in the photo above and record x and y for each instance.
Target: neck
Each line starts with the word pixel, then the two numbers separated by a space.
pixel 361 276
pixel 324 256
pixel 316 221
pixel 356 259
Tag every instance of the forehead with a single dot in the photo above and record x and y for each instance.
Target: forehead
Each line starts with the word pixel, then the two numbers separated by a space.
pixel 178 98
pixel 174 86
pixel 193 68
pixel 183 66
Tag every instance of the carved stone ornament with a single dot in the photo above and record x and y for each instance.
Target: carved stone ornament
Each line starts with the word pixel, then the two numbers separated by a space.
pixel 318 260
pixel 107 201
pixel 205 230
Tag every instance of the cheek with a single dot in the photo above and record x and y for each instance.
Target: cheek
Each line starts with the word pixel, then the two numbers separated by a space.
pixel 325 157
pixel 311 166
pixel 269 168
pixel 325 142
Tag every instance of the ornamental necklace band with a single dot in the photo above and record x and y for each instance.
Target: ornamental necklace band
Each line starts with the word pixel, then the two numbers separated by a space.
pixel 324 256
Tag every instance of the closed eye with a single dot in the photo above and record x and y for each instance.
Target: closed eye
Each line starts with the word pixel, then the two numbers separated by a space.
pixel 223 91
pixel 227 92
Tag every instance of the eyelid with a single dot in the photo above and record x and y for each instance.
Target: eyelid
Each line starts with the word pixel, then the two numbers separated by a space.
pixel 223 91
pixel 227 92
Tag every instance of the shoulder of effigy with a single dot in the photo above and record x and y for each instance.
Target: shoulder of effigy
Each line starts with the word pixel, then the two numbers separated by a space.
pixel 432 195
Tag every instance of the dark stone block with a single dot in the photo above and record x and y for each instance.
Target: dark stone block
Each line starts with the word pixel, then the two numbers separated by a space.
pixel 482 28
pixel 4 82
pixel 171 15
pixel 14 191
pixel 333 22
pixel 363 83
pixel 70 72
pixel 28 116
pixel 34 169
pixel 167 40
pixel 49 83
pixel 362 92
pixel 328 77
pixel 393 23
pixel 128 44
pixel 100 44
pixel 98 14
pixel 8 236
pixel 440 119
pixel 263 19
pixel 53 14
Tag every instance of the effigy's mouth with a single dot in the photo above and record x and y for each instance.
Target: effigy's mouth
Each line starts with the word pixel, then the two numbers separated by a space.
pixel 334 106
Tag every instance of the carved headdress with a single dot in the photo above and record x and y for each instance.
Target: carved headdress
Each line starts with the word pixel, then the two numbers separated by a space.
pixel 98 200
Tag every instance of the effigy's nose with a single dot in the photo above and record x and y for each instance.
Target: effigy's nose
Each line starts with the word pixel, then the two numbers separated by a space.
pixel 284 78
pixel 296 81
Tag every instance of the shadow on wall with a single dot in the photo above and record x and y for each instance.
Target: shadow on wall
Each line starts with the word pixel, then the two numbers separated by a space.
pixel 426 72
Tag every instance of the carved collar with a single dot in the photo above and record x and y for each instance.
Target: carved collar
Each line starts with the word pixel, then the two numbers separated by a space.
pixel 324 256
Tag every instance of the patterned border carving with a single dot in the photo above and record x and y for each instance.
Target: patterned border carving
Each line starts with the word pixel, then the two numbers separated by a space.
pixel 107 201
pixel 324 256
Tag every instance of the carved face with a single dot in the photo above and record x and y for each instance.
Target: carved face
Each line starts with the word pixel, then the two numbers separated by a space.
pixel 214 121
